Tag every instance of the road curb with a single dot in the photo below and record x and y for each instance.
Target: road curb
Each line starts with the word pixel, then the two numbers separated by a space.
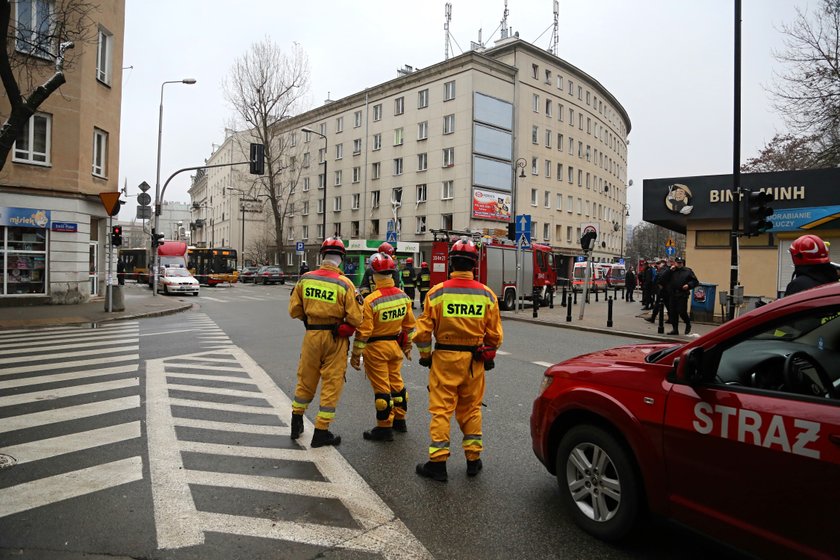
pixel 600 330
pixel 34 324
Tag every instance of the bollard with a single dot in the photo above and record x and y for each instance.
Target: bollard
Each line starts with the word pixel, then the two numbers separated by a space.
pixel 574 294
pixel 551 299
pixel 596 294
pixel 569 311
pixel 563 303
pixel 609 312
pixel 535 299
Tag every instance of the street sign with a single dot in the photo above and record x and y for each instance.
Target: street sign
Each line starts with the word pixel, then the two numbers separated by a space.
pixel 669 243
pixel 620 261
pixel 144 212
pixel 144 199
pixel 391 227
pixel 580 259
pixel 391 237
pixel 144 186
pixel 670 250
pixel 111 202
pixel 299 247
pixel 523 229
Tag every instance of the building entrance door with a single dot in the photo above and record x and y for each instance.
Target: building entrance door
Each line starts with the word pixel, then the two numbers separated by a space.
pixel 93 267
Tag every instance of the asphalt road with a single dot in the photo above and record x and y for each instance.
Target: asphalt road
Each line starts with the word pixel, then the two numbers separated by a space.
pixel 173 483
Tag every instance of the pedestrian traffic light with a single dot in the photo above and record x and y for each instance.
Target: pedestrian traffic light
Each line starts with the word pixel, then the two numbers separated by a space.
pixel 157 238
pixel 588 240
pixel 116 236
pixel 755 211
pixel 257 159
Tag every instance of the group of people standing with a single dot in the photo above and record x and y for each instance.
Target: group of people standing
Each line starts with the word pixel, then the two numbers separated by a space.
pixel 667 287
pixel 460 316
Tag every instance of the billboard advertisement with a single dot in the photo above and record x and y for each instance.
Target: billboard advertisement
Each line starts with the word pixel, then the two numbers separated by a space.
pixel 491 205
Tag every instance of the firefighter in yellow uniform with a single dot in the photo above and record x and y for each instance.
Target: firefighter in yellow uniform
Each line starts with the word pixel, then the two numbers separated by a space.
pixel 463 316
pixel 383 339
pixel 326 302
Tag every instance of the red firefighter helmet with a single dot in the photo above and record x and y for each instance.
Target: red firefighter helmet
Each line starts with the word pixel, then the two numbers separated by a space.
pixel 387 248
pixel 464 248
pixel 333 246
pixel 409 260
pixel 809 249
pixel 424 264
pixel 382 263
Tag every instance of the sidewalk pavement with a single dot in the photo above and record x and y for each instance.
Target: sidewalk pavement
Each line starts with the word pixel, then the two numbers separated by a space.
pixel 627 320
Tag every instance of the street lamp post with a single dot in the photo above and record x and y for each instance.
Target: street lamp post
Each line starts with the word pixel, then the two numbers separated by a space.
pixel 158 201
pixel 520 165
pixel 326 180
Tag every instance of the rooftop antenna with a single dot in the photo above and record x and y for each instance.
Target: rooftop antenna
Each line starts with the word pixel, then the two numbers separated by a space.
pixel 504 22
pixel 448 15
pixel 555 35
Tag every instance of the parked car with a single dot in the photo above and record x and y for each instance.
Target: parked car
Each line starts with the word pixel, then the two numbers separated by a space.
pixel 248 273
pixel 270 275
pixel 176 280
pixel 735 434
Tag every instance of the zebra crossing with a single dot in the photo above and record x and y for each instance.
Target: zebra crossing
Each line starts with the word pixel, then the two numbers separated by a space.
pixel 244 294
pixel 67 390
pixel 207 332
pixel 221 461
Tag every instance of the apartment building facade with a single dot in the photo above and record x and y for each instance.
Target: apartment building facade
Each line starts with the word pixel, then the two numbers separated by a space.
pixel 444 148
pixel 53 226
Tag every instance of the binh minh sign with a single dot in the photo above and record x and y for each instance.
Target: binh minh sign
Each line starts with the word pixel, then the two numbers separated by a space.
pixel 803 200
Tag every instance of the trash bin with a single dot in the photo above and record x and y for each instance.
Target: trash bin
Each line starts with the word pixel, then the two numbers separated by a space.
pixel 703 302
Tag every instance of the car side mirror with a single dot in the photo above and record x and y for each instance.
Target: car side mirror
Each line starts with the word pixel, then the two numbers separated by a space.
pixel 690 367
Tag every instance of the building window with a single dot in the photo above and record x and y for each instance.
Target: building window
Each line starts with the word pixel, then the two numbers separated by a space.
pixel 446 221
pixel 376 170
pixel 25 251
pixel 548 169
pixel 100 153
pixel 449 124
pixel 535 103
pixel 422 162
pixel 571 146
pixel 571 175
pixel 560 82
pixel 396 195
pixel 355 201
pixel 377 141
pixel 580 93
pixel 559 141
pixel 374 199
pixel 579 206
pixel 399 105
pixel 339 151
pixel 377 112
pixel 423 130
pixel 374 228
pixel 337 204
pixel 559 202
pixel 548 135
pixel 305 232
pixel 338 175
pixel 535 135
pixel 322 180
pixel 33 27
pixel 560 111
pixel 571 87
pixel 449 91
pixel 398 166
pixel 535 71
pixel 421 193
pixel 323 129
pixel 569 233
pixel 559 171
pixel 448 157
pixel 447 190
pixel 357 119
pixel 339 124
pixel 546 232
pixel 290 257
pixel 548 107
pixel 320 205
pixel 421 224
pixel 305 210
pixel 320 229
pixel 290 235
pixel 104 56
pixel 337 229
pixel 580 178
pixel 571 117
pixel 357 146
pixel 306 159
pixel 533 197
pixel 33 143
pixel 357 174
pixel 322 154
pixel 548 77
pixel 354 229
pixel 534 166
pixel 306 184
pixel 570 202
pixel 547 199
pixel 398 136
pixel 422 98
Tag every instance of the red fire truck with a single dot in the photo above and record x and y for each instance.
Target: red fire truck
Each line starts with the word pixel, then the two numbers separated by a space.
pixel 496 266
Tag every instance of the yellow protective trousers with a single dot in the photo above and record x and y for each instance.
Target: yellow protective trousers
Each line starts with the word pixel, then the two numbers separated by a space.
pixel 383 364
pixel 322 358
pixel 456 384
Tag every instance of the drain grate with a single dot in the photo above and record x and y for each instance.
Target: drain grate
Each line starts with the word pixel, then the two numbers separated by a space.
pixel 6 461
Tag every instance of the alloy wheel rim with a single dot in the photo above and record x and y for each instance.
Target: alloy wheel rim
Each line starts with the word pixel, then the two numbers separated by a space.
pixel 593 482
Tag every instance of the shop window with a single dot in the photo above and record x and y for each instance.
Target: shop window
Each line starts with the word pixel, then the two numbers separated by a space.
pixel 24 257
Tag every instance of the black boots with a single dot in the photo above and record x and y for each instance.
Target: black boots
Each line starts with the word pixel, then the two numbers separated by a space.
pixel 379 434
pixel 473 467
pixel 324 437
pixel 688 328
pixel 433 470
pixel 399 426
pixel 297 425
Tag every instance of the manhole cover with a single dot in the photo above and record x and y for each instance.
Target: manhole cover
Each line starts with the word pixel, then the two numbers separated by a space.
pixel 6 461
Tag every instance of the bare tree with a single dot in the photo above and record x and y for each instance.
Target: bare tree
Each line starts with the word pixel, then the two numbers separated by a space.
pixel 33 62
pixel 785 152
pixel 808 94
pixel 266 86
pixel 648 241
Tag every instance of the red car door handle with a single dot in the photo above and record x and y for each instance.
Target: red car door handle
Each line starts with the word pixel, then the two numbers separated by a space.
pixel 834 438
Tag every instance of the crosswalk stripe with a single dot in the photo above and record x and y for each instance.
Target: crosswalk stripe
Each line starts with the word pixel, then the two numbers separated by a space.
pixel 326 490
pixel 42 346
pixel 244 451
pixel 207 368
pixel 80 441
pixel 502 353
pixel 543 364
pixel 221 407
pixel 44 491
pixel 66 365
pixel 79 354
pixel 253 298
pixel 220 378
pixel 67 413
pixel 214 299
pixel 222 426
pixel 63 392
pixel 214 390
pixel 66 333
pixel 41 379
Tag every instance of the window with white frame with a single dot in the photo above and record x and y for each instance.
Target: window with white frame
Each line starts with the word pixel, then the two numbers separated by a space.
pixel 377 112
pixel 337 204
pixel 588 208
pixel 305 210
pixel 580 178
pixel 570 204
pixel 559 82
pixel 449 124
pixel 534 197
pixel 290 235
pixel 579 206
pixel 399 105
pixel 422 98
pixel 447 190
pixel 357 146
pixel 560 112
pixel 306 159
pixel 34 30
pixel 339 151
pixel 322 154
pixel 535 166
pixel 320 229
pixel 322 180
pixel 446 221
pixel 571 174
pixel 559 171
pixel 305 233
pixel 338 176
pixel 571 146
pixel 559 201
pixel 535 71
pixel 422 162
pixel 398 136
pixel 339 124
pixel 423 130
pixel 448 157
pixel 421 224
pixel 535 103
pixel 306 184
pixel 34 142
pixel 376 170
pixel 374 199
pixel 377 141
pixel 323 129
pixel 320 205
pixel 569 233
pixel 357 174
pixel 535 134
pixel 355 201
pixel 398 166
pixel 357 119
pixel 548 77
pixel 100 153
pixel 293 139
pixel 548 107
pixel 104 56
pixel 290 258
pixel 396 195
pixel 559 141
pixel 547 199
pixel 548 135
pixel 449 91
pixel 571 117
pixel 421 193
pixel 546 232
pixel 548 169
pixel 354 228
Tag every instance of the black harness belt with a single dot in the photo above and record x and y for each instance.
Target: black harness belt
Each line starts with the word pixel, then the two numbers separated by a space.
pixel 393 337
pixel 455 347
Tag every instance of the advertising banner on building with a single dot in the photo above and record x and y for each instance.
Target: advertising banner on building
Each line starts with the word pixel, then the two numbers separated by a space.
pixel 491 205
pixel 24 217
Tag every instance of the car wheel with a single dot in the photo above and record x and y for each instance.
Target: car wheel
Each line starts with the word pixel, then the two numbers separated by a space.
pixel 598 482
pixel 510 300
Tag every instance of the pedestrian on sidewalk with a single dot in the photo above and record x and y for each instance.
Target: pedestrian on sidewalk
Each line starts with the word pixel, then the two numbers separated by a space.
pixel 326 302
pixel 384 339
pixel 648 281
pixel 463 316
pixel 629 285
pixel 678 282
pixel 660 296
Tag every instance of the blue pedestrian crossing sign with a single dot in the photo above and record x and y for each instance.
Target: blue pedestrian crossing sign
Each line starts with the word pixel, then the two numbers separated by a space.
pixel 523 229
pixel 391 237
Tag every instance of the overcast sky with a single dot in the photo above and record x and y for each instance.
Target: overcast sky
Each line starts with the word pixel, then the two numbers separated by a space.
pixel 669 63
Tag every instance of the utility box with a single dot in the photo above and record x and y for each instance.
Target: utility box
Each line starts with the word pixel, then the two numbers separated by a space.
pixel 703 302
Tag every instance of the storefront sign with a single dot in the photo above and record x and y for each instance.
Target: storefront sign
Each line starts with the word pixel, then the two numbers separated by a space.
pixel 66 227
pixel 24 217
pixel 491 205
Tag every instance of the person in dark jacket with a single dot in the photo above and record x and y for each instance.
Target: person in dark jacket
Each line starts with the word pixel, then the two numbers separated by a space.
pixel 424 283
pixel 409 279
pixel 629 285
pixel 811 264
pixel 647 278
pixel 677 283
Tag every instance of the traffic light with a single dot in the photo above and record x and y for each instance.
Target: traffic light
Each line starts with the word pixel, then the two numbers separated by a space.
pixel 157 238
pixel 257 159
pixel 116 236
pixel 755 210
pixel 587 242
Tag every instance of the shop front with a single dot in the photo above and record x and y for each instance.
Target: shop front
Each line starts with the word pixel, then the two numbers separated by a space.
pixel 24 238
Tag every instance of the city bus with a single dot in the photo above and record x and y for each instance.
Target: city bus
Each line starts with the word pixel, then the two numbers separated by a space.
pixel 212 266
pixel 136 263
